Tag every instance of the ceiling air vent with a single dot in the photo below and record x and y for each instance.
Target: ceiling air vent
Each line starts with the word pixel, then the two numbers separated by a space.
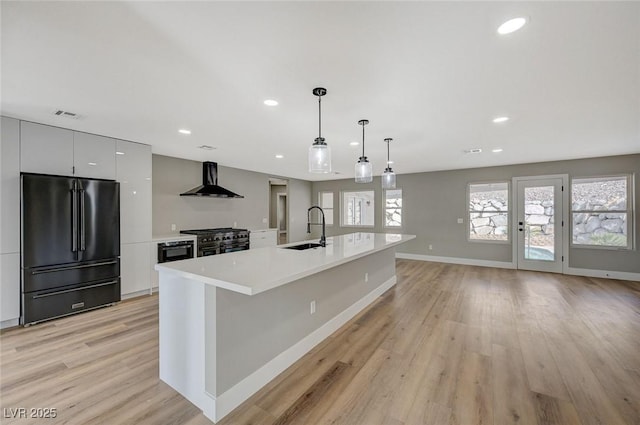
pixel 206 147
pixel 66 114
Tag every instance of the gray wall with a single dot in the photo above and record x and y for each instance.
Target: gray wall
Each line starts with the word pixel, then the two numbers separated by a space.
pixel 257 328
pixel 172 176
pixel 433 201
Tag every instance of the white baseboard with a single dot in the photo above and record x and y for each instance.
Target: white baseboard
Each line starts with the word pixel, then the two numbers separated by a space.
pixel 606 274
pixel 232 398
pixel 455 260
pixel 134 294
pixel 10 323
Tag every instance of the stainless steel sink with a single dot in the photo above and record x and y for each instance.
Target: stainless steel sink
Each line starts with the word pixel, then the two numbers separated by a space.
pixel 303 246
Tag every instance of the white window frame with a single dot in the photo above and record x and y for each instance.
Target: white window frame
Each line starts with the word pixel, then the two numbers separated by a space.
pixel 342 217
pixel 384 209
pixel 332 214
pixel 509 213
pixel 630 211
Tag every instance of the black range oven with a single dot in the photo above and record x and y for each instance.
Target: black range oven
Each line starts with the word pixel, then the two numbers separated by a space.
pixel 220 241
pixel 174 251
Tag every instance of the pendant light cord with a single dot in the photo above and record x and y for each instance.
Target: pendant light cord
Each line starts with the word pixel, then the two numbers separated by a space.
pixel 363 139
pixel 388 153
pixel 319 118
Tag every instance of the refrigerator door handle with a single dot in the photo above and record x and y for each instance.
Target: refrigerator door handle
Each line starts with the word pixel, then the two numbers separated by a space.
pixel 74 218
pixel 82 229
pixel 82 266
pixel 113 282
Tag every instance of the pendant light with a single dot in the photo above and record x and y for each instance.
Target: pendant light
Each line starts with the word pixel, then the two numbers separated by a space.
pixel 319 152
pixel 388 177
pixel 364 172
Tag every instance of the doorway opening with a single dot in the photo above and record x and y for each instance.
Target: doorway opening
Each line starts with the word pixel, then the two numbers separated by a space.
pixel 279 208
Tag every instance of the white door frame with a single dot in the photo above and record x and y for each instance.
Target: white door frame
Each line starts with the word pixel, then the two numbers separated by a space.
pixel 566 210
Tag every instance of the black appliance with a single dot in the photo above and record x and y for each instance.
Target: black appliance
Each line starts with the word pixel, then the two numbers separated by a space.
pixel 174 251
pixel 70 237
pixel 209 186
pixel 220 241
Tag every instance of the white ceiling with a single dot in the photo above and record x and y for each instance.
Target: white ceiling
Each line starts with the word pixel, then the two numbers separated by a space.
pixel 431 75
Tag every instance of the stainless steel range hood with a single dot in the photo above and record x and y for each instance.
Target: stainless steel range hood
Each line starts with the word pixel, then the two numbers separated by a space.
pixel 209 185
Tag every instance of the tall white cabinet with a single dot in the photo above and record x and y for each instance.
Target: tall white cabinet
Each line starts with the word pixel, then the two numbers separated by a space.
pixel 10 222
pixel 133 171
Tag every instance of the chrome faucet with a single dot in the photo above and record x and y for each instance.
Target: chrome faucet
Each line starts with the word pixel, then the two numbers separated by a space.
pixel 323 238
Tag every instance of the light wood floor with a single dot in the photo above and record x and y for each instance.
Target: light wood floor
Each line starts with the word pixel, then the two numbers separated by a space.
pixel 449 344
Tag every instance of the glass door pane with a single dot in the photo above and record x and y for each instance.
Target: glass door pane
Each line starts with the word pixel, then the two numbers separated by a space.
pixel 539 223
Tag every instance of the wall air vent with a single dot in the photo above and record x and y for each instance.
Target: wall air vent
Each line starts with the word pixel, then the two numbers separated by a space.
pixel 206 147
pixel 66 114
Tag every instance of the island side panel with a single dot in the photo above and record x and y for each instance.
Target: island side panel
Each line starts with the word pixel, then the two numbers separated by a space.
pixel 253 330
pixel 181 336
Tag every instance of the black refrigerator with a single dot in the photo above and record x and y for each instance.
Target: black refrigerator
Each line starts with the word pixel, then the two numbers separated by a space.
pixel 70 245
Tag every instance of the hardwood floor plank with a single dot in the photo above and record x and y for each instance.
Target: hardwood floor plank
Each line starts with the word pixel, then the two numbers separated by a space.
pixel 552 411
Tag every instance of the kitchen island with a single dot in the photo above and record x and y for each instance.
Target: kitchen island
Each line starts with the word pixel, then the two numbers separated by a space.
pixel 231 323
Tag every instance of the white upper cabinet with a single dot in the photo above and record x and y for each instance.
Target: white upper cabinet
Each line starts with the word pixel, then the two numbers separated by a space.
pixel 45 149
pixel 52 150
pixel 94 156
pixel 10 186
pixel 133 171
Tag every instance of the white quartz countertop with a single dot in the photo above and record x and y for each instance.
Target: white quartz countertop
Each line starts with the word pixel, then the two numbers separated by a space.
pixel 257 270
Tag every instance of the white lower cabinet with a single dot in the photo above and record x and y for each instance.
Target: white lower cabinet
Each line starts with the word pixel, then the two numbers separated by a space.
pixel 135 276
pixel 262 238
pixel 10 286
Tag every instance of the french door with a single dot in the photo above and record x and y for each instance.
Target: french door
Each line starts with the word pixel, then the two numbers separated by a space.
pixel 539 223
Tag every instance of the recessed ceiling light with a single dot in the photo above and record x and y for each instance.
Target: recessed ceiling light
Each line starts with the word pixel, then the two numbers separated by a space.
pixel 473 150
pixel 184 131
pixel 119 153
pixel 206 147
pixel 354 143
pixel 92 163
pixel 511 25
pixel 496 150
pixel 271 102
pixel 500 119
pixel 279 156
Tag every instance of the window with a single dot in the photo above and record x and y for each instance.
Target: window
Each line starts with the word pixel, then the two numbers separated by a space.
pixel 393 208
pixel 489 211
pixel 325 199
pixel 600 211
pixel 358 208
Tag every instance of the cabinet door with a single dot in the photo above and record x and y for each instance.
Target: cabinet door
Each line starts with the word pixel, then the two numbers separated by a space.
pixel 9 286
pixel 94 156
pixel 135 275
pixel 10 186
pixel 262 238
pixel 133 171
pixel 45 149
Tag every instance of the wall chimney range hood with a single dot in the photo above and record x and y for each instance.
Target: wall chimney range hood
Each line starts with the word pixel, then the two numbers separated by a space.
pixel 209 185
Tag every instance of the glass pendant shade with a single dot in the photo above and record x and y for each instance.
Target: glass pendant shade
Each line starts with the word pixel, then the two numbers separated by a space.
pixel 319 158
pixel 319 152
pixel 364 171
pixel 388 179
